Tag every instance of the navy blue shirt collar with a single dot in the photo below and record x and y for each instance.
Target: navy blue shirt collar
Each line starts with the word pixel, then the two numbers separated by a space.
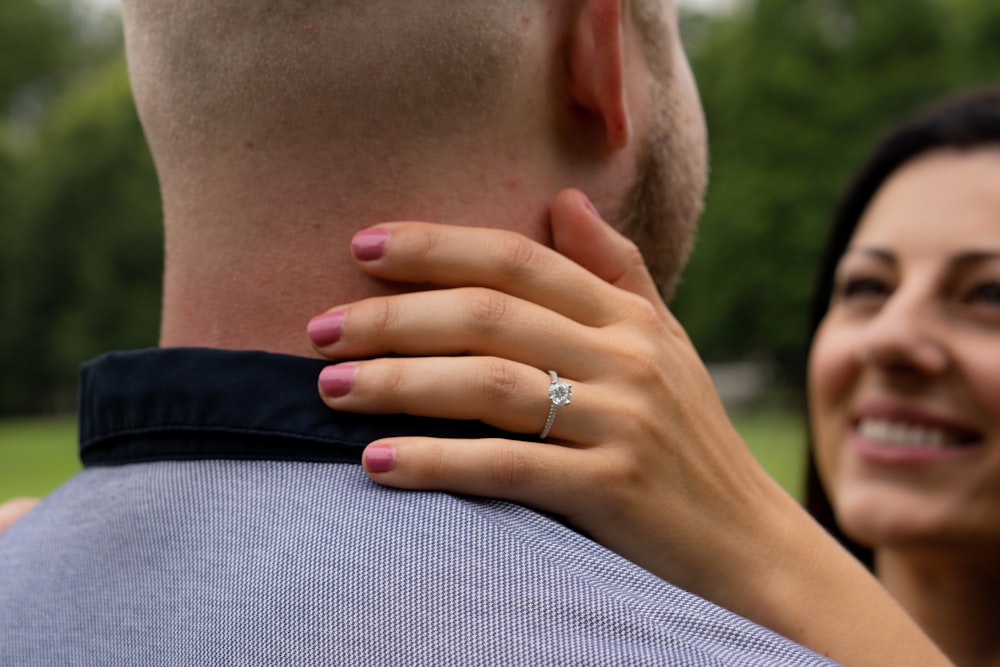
pixel 194 403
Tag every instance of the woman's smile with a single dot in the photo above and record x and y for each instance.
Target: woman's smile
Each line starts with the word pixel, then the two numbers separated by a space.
pixel 888 433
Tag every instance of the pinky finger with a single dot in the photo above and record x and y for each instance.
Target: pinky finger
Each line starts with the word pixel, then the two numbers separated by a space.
pixel 529 473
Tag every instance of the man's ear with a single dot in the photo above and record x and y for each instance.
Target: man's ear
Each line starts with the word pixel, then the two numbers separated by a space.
pixel 597 68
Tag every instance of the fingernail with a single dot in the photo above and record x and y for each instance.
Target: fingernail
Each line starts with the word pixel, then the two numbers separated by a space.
pixel 379 458
pixel 325 329
pixel 590 205
pixel 337 380
pixel 369 244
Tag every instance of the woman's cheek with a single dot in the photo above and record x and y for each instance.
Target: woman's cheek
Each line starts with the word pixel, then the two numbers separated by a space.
pixel 833 372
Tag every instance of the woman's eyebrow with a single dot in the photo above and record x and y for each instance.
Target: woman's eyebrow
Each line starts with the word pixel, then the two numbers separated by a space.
pixel 873 251
pixel 972 257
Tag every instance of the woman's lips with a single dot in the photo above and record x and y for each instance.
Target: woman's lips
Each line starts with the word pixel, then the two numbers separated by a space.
pixel 902 434
pixel 911 440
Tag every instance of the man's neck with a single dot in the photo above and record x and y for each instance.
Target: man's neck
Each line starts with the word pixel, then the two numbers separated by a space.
pixel 256 283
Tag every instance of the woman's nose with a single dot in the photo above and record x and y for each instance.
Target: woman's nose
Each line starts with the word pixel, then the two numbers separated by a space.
pixel 906 336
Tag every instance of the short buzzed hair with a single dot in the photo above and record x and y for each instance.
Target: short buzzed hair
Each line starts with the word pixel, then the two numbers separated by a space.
pixel 206 71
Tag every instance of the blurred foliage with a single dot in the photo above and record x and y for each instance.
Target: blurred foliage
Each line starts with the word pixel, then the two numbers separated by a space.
pixel 80 242
pixel 795 92
pixel 31 55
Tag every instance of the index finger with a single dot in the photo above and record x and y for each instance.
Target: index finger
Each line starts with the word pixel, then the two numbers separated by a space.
pixel 453 256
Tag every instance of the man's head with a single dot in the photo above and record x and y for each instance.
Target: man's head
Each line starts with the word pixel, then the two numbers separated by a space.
pixel 282 126
pixel 219 78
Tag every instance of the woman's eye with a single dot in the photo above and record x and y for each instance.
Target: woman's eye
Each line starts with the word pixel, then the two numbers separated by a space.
pixel 863 288
pixel 986 294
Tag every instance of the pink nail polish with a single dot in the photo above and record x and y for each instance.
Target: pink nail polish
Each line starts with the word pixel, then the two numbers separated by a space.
pixel 369 244
pixel 590 205
pixel 325 329
pixel 379 458
pixel 336 381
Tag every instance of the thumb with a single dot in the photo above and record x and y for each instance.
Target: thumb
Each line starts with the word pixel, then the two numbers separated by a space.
pixel 579 233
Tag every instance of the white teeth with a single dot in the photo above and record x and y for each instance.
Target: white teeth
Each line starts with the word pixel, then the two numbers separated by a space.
pixel 896 434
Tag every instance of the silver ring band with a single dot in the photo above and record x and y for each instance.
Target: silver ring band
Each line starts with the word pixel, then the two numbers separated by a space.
pixel 560 393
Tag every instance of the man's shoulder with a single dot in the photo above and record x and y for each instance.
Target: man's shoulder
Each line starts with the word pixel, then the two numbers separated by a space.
pixel 299 556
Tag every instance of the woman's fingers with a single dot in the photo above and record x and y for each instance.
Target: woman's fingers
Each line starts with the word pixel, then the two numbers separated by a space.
pixel 460 321
pixel 449 256
pixel 504 394
pixel 524 472
pixel 579 233
pixel 511 297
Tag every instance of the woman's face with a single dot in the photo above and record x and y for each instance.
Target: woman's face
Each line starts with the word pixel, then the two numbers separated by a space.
pixel 904 374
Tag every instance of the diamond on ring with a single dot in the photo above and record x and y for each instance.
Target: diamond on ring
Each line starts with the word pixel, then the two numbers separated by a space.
pixel 560 393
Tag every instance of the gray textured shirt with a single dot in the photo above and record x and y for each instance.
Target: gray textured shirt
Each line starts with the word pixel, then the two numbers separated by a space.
pixel 222 518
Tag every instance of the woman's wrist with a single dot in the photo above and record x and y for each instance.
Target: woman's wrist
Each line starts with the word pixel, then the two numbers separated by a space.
pixel 805 586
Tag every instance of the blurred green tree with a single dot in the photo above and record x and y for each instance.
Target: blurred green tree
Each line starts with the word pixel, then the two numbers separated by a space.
pixel 33 37
pixel 88 264
pixel 80 257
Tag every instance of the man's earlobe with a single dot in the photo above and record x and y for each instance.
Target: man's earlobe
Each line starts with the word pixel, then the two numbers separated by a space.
pixel 597 68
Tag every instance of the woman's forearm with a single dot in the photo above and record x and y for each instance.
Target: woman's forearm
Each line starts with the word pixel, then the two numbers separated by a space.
pixel 789 575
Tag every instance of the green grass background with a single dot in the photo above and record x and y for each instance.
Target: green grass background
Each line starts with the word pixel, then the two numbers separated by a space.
pixel 778 440
pixel 36 455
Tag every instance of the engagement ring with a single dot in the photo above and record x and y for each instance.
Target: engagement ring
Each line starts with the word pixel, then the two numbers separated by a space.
pixel 560 393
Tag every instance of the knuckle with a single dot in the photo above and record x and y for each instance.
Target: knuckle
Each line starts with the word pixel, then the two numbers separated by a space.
pixel 632 258
pixel 434 464
pixel 508 468
pixel 636 359
pixel 391 379
pixel 384 314
pixel 631 359
pixel 644 344
pixel 643 420
pixel 619 473
pixel 644 313
pixel 487 310
pixel 497 382
pixel 609 487
pixel 632 469
pixel 424 244
pixel 517 255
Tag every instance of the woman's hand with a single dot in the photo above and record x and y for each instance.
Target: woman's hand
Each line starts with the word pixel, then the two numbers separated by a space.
pixel 644 458
pixel 14 509
pixel 645 428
